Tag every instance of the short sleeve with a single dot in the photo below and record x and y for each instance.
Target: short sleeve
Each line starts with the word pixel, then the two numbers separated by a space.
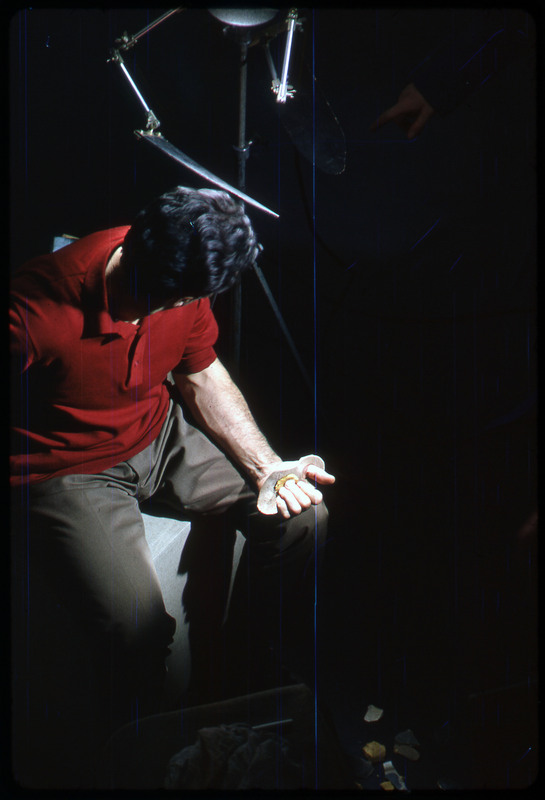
pixel 199 350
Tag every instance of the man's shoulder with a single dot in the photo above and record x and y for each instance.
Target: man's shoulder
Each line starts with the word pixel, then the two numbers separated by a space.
pixel 71 261
pixel 87 249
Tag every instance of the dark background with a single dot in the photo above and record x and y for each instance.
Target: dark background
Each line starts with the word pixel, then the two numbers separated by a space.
pixel 408 283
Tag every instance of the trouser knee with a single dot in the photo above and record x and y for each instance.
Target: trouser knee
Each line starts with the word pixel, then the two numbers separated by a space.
pixel 303 534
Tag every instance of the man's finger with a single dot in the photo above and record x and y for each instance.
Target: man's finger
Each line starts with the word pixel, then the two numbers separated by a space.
pixel 290 500
pixel 314 495
pixel 282 507
pixel 319 475
pixel 386 116
pixel 419 123
pixel 299 490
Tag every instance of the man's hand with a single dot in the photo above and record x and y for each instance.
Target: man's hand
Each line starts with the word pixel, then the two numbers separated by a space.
pixel 295 496
pixel 219 407
pixel 411 112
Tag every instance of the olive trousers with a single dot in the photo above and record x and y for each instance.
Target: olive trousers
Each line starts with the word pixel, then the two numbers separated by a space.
pixel 91 634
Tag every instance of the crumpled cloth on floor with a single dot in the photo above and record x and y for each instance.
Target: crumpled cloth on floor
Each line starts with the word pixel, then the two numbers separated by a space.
pixel 234 757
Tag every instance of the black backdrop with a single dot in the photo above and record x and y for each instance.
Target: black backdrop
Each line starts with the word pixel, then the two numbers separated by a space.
pixel 408 283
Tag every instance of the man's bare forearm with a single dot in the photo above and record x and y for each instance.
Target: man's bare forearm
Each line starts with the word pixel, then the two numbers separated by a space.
pixel 220 408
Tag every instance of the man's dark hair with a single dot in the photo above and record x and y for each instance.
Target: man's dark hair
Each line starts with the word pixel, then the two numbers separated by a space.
pixel 187 243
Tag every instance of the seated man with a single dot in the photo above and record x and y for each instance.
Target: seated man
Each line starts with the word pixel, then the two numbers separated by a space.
pixel 97 328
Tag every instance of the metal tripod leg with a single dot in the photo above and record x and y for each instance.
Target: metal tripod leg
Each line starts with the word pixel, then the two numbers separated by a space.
pixel 283 327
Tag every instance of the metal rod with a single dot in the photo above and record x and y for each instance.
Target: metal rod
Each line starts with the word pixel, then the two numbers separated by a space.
pixel 242 156
pixel 133 84
pixel 126 44
pixel 242 144
pixel 283 88
pixel 153 122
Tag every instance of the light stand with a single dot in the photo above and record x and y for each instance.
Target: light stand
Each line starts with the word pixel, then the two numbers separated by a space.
pixel 242 34
pixel 250 18
pixel 243 152
pixel 151 135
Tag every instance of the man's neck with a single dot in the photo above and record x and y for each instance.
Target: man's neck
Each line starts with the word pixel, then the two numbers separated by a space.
pixel 120 306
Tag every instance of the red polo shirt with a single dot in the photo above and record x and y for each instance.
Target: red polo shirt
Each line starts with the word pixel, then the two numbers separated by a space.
pixel 89 391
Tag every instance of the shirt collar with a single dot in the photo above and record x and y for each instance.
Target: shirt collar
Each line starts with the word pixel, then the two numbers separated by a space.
pixel 97 318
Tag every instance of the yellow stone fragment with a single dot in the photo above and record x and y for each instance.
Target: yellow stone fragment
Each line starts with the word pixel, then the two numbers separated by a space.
pixel 387 786
pixel 281 481
pixel 374 751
